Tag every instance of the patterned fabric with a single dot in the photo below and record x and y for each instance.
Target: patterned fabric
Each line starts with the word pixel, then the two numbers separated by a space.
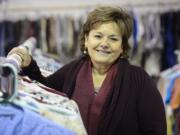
pixel 51 105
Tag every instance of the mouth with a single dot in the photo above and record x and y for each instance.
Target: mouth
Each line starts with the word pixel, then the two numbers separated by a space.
pixel 103 51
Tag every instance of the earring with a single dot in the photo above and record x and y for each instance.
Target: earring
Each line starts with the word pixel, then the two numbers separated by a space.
pixel 85 51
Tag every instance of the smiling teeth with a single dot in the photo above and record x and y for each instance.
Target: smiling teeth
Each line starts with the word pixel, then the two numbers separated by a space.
pixel 104 52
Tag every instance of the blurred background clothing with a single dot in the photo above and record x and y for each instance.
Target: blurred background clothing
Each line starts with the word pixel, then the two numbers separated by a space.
pixel 155 43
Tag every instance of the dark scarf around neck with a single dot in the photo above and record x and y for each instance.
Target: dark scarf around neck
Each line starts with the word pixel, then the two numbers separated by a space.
pixel 116 101
pixel 117 98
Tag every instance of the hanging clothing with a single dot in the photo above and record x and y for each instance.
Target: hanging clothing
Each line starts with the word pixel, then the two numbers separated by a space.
pixel 16 120
pixel 169 58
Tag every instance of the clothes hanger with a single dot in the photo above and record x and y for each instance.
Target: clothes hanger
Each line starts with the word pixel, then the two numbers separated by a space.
pixel 8 82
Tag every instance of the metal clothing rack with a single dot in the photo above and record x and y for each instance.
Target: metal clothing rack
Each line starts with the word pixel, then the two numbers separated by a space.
pixel 29 9
pixel 160 3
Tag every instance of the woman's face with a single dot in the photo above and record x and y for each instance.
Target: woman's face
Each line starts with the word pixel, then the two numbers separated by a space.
pixel 104 44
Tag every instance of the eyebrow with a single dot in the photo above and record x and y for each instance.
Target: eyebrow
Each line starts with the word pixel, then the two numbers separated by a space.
pixel 108 36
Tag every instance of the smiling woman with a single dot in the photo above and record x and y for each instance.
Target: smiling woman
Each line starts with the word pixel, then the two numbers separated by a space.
pixel 104 45
pixel 114 97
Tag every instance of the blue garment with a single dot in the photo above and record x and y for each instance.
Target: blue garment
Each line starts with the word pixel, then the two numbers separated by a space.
pixel 135 33
pixel 168 58
pixel 16 120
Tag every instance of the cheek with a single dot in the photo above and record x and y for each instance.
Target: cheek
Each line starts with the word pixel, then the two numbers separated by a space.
pixel 90 44
pixel 118 48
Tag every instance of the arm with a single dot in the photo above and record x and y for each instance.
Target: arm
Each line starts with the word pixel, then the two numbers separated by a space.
pixel 62 80
pixel 151 111
pixel 54 81
pixel 31 69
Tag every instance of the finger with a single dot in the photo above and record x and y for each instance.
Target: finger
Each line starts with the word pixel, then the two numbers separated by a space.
pixel 23 53
pixel 19 51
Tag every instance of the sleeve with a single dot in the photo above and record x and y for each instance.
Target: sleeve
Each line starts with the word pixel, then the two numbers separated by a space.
pixel 151 111
pixel 55 81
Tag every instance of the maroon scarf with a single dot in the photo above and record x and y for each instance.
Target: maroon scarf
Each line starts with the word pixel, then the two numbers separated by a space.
pixel 90 105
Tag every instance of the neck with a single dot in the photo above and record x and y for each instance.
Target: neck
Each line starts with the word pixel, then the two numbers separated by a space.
pixel 100 69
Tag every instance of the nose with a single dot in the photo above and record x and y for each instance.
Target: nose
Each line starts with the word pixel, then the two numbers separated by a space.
pixel 105 43
pixel 104 46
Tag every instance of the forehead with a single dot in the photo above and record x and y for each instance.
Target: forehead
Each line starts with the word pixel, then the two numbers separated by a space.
pixel 106 27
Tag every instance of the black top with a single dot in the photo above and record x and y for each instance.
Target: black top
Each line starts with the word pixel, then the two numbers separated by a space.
pixel 133 107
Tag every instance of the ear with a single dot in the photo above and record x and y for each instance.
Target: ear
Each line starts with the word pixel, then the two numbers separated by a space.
pixel 85 41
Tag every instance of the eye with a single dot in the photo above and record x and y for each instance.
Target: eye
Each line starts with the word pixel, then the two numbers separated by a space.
pixel 114 39
pixel 97 36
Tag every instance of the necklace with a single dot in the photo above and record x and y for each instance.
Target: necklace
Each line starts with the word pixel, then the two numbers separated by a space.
pixel 96 90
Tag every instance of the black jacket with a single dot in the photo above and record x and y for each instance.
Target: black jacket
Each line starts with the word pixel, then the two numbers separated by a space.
pixel 133 107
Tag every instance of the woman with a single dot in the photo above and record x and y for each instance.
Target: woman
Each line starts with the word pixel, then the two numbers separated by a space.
pixel 114 97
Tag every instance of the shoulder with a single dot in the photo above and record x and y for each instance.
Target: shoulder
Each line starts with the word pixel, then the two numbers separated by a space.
pixel 146 86
pixel 133 70
pixel 138 71
pixel 142 77
pixel 138 76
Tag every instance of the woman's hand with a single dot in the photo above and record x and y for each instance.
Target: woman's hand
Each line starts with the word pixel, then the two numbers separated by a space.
pixel 23 53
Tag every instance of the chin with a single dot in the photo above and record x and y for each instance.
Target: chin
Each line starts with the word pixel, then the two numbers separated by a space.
pixel 103 62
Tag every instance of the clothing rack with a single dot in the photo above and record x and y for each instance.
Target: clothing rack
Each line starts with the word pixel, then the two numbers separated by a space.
pixel 16 12
pixel 8 7
pixel 72 6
